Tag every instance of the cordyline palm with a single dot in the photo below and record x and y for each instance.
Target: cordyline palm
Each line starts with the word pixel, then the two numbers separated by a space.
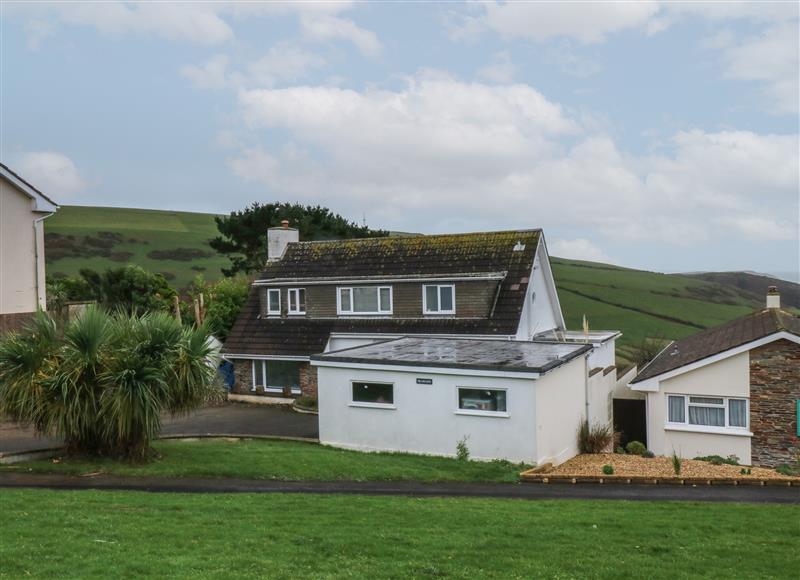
pixel 102 382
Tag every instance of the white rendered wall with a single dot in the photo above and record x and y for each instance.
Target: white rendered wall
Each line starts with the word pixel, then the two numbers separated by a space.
pixel 600 388
pixel 538 312
pixel 560 409
pixel 727 378
pixel 425 419
pixel 604 354
pixel 17 252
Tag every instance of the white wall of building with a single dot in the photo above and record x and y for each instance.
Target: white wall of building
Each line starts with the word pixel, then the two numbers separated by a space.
pixel 18 266
pixel 726 378
pixel 424 418
pixel 560 409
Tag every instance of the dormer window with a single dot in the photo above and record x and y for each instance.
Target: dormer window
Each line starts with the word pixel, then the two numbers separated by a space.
pixel 439 299
pixel 364 300
pixel 297 300
pixel 273 302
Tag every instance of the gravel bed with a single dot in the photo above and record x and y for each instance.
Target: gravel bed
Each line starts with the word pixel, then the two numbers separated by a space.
pixel 656 467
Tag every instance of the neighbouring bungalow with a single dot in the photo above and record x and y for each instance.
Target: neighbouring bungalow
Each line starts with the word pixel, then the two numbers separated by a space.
pixel 416 343
pixel 23 209
pixel 729 390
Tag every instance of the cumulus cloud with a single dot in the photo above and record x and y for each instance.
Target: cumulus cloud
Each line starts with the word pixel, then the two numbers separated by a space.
pixel 51 172
pixel 578 249
pixel 440 147
pixel 194 22
pixel 211 75
pixel 501 70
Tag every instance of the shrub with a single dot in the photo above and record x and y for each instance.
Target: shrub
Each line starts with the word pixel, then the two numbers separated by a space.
pixel 594 438
pixel 719 460
pixel 676 463
pixel 608 470
pixel 306 401
pixel 620 450
pixel 101 382
pixel 746 471
pixel 648 454
pixel 787 469
pixel 462 451
pixel 635 448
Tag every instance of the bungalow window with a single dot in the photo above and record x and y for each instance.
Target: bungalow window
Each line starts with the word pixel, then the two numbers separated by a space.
pixel 365 300
pixel 297 301
pixel 720 412
pixel 474 401
pixel 439 299
pixel 276 375
pixel 274 302
pixel 370 394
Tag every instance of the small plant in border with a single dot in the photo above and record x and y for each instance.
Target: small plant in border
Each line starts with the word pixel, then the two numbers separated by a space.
pixel 635 448
pixel 608 470
pixel 648 454
pixel 594 438
pixel 462 451
pixel 676 463
pixel 746 471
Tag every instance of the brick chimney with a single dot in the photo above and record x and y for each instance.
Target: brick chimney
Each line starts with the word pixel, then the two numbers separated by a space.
pixel 773 297
pixel 278 238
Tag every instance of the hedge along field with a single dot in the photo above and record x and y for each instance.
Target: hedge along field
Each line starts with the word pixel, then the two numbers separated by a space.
pixel 142 232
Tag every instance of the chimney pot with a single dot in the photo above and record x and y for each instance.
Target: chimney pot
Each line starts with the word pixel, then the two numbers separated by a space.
pixel 285 224
pixel 773 297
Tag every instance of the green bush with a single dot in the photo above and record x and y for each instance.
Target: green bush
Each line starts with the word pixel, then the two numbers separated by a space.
pixel 635 448
pixel 787 469
pixel 101 382
pixel 462 451
pixel 676 463
pixel 608 470
pixel 719 460
pixel 648 454
pixel 620 450
pixel 594 438
pixel 746 471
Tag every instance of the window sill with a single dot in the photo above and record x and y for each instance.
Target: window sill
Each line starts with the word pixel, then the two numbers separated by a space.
pixel 441 313
pixel 372 405
pixel 297 313
pixel 712 430
pixel 496 414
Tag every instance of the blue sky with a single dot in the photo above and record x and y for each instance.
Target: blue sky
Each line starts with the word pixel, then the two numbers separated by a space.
pixel 654 135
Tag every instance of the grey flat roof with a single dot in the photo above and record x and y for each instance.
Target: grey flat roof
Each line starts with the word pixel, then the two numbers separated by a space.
pixel 462 353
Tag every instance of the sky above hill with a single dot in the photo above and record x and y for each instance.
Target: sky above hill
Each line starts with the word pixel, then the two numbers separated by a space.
pixel 655 135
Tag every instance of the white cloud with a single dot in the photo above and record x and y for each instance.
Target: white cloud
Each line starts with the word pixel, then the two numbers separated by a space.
pixel 578 249
pixel 194 22
pixel 771 58
pixel 37 31
pixel 439 148
pixel 211 75
pixel 500 71
pixel 51 172
pixel 283 62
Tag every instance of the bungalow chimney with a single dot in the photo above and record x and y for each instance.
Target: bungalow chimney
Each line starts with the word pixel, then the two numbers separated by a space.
pixel 773 297
pixel 278 238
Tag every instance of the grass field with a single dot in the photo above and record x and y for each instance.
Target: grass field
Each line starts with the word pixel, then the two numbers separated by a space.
pixel 91 534
pixel 286 460
pixel 638 303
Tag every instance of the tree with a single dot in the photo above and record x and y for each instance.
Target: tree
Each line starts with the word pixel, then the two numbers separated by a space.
pixel 243 234
pixel 102 382
pixel 222 300
pixel 130 288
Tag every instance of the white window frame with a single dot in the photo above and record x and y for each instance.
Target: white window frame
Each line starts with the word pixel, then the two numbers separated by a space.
pixel 294 308
pixel 267 388
pixel 687 426
pixel 438 287
pixel 351 312
pixel 270 310
pixel 354 403
pixel 477 413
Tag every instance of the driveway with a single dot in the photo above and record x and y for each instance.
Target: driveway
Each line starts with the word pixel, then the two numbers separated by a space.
pixel 227 419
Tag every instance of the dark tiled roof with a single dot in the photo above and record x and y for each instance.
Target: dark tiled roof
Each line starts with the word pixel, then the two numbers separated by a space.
pixel 414 255
pixel 719 339
pixel 505 355
pixel 397 256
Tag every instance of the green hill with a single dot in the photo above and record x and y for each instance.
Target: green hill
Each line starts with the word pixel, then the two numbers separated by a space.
pixel 639 303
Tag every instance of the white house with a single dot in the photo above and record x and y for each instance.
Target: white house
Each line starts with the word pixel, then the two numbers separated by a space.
pixel 23 209
pixel 413 343
pixel 729 390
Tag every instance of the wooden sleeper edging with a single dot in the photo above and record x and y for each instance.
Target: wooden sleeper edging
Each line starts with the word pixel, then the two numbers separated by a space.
pixel 532 477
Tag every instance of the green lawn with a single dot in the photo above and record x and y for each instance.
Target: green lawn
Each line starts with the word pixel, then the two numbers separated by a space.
pixel 91 534
pixel 287 460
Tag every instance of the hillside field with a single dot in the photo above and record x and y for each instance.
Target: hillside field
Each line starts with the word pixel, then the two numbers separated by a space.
pixel 638 303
